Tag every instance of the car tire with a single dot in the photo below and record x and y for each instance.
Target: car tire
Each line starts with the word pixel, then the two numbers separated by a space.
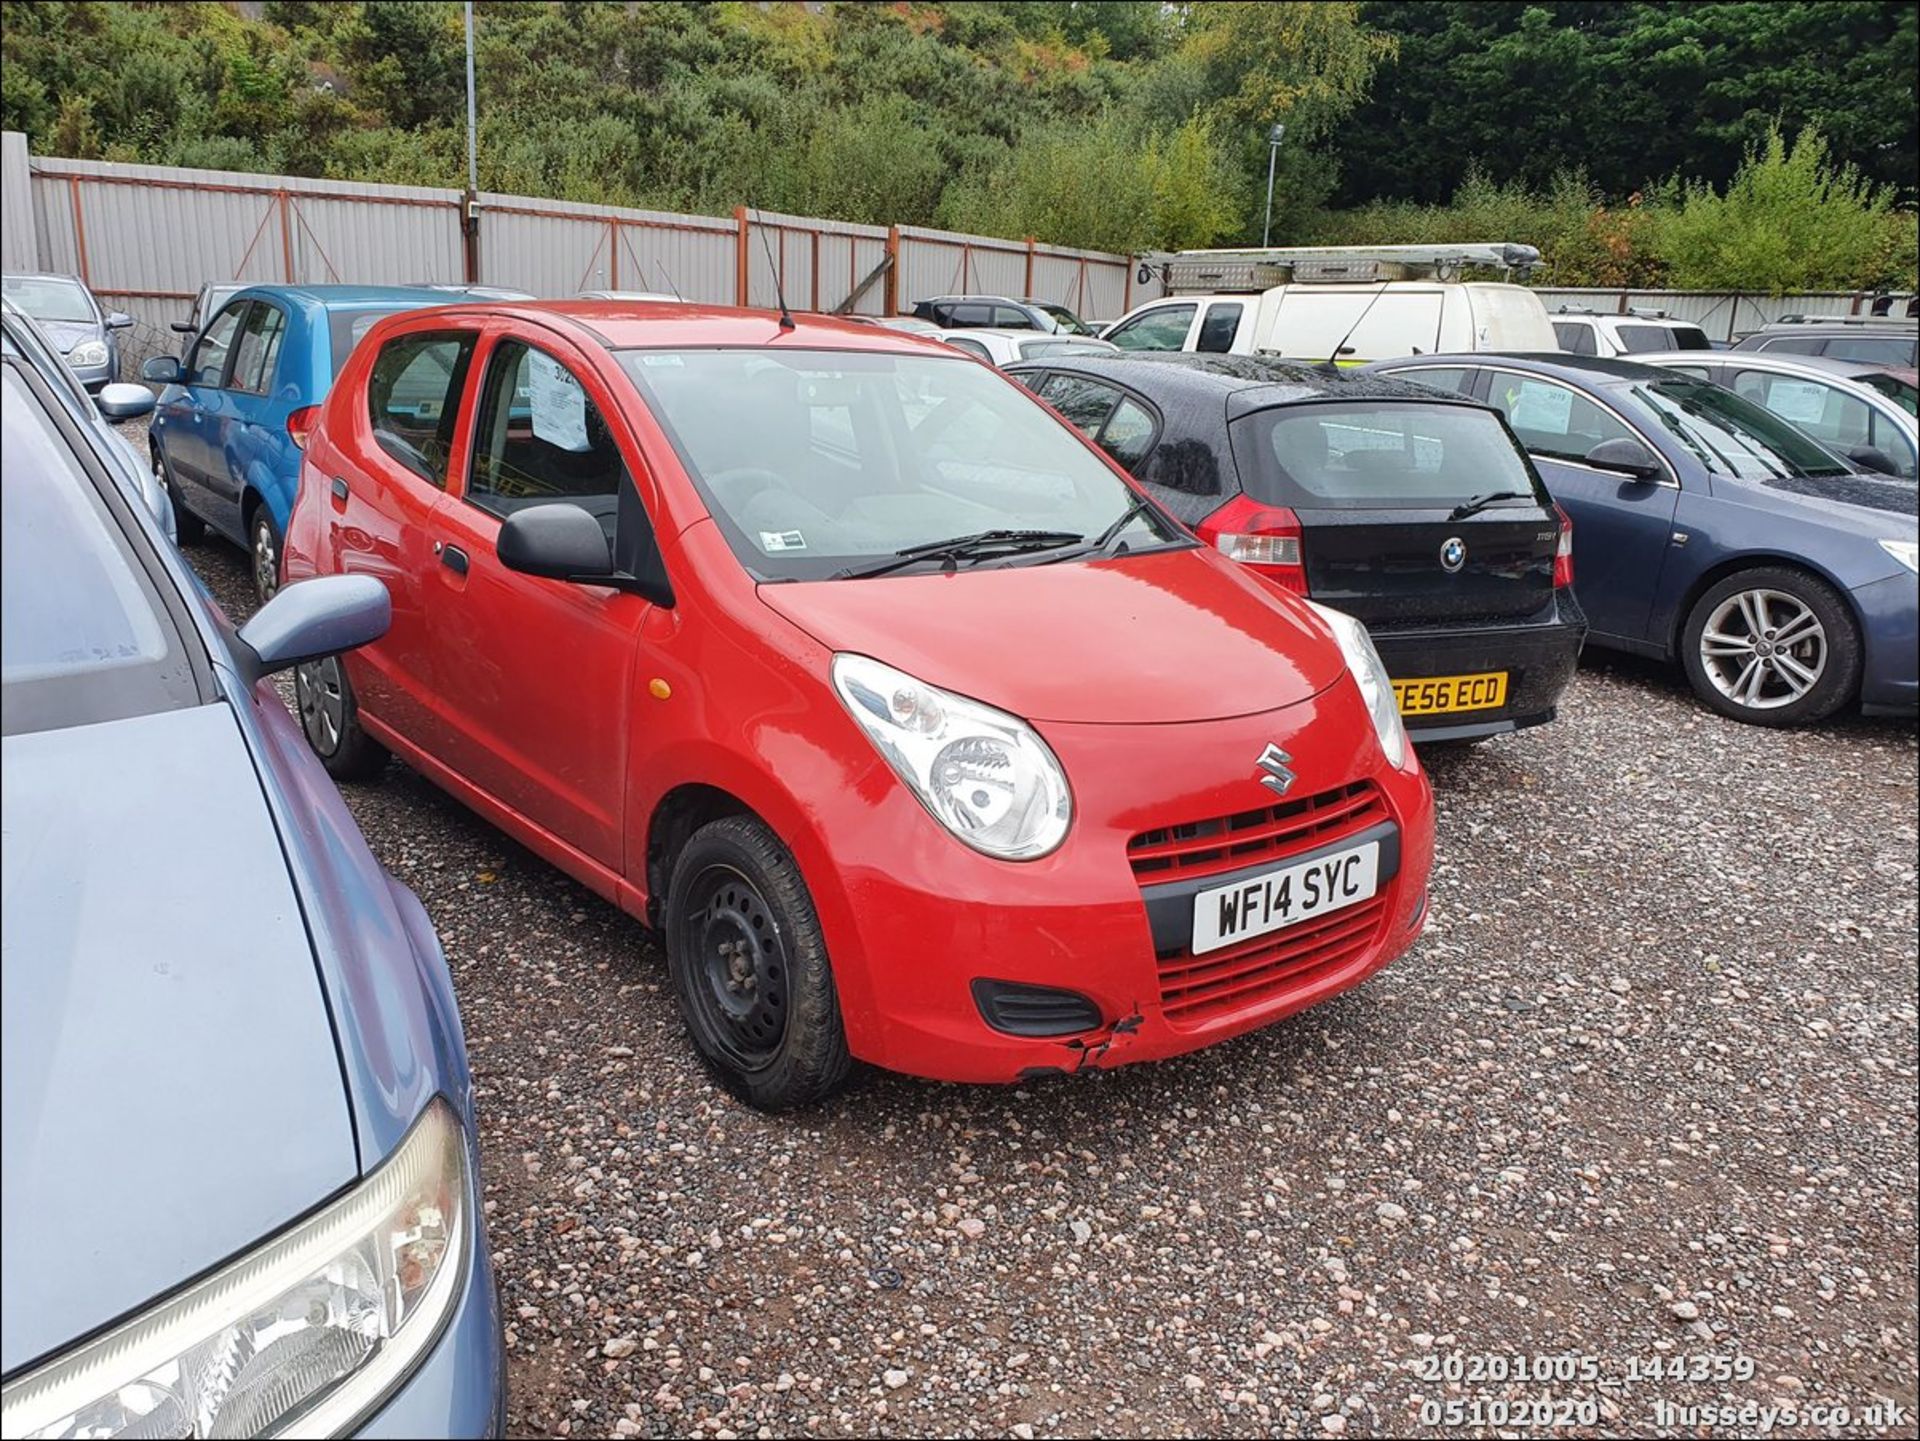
pixel 263 553
pixel 330 717
pixel 188 528
pixel 749 968
pixel 1772 646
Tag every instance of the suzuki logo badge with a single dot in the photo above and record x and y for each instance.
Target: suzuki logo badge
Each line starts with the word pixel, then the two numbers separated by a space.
pixel 1453 554
pixel 1278 777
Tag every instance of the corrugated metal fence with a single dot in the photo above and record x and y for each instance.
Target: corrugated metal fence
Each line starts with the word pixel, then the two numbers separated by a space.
pixel 147 237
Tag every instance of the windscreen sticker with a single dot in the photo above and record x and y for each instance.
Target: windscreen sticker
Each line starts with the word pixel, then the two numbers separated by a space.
pixel 1538 407
pixel 772 540
pixel 559 404
pixel 1804 402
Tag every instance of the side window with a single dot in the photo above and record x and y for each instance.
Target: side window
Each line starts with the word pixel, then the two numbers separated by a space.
pixel 1575 336
pixel 1698 372
pixel 1162 329
pixel 1007 318
pixel 1032 379
pixel 208 364
pixel 1823 411
pixel 1553 421
pixel 1217 330
pixel 1795 344
pixel 970 315
pixel 258 350
pixel 972 347
pixel 1086 403
pixel 540 439
pixel 1874 350
pixel 413 397
pixel 1892 442
pixel 1129 432
pixel 1456 378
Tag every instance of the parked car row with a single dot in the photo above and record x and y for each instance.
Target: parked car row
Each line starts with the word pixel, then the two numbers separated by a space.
pixel 813 645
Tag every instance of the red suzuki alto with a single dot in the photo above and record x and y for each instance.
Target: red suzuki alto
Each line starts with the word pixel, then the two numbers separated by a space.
pixel 924 737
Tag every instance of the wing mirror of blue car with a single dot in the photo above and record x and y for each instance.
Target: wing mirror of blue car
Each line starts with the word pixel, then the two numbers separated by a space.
pixel 1872 459
pixel 1629 457
pixel 563 542
pixel 123 401
pixel 163 369
pixel 119 320
pixel 312 619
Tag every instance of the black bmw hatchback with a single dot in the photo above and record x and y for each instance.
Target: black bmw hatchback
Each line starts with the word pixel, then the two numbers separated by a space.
pixel 1413 510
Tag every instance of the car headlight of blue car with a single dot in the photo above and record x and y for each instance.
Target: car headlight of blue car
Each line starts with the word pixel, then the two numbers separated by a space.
pixel 88 352
pixel 305 1335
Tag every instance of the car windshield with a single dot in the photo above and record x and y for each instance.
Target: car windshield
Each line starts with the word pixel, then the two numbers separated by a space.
pixel 815 462
pixel 1729 434
pixel 1902 393
pixel 49 297
pixel 1064 320
pixel 1638 339
pixel 1403 455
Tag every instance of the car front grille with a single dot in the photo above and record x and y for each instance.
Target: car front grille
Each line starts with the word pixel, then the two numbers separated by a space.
pixel 1229 843
pixel 1197 989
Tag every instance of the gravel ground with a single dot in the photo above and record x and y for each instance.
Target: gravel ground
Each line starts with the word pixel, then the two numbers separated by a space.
pixel 1646 1090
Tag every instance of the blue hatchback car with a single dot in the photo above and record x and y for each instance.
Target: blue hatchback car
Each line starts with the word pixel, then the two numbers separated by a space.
pixel 227 433
pixel 1708 530
pixel 237 1148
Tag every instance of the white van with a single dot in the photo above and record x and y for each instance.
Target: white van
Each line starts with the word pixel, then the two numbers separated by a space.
pixel 1349 306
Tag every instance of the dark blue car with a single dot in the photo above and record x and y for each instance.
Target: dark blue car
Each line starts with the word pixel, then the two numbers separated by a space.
pixel 1709 530
pixel 236 1115
pixel 227 434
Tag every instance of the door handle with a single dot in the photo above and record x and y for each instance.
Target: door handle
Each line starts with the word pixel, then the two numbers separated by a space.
pixel 340 488
pixel 454 559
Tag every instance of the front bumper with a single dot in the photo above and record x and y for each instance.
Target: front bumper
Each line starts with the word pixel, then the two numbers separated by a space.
pixel 1890 627
pixel 913 918
pixel 460 1389
pixel 1539 658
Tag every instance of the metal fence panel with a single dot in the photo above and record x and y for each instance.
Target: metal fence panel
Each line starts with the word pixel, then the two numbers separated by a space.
pixel 558 248
pixel 1723 314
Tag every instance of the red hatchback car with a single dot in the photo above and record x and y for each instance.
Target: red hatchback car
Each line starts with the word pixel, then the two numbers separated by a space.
pixel 924 737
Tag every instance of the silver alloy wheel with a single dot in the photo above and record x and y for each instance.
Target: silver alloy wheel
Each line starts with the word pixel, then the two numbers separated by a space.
pixel 323 705
pixel 1763 649
pixel 266 558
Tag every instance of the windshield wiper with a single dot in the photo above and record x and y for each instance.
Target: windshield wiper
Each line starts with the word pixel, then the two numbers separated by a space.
pixel 1108 541
pixel 1481 502
pixel 982 545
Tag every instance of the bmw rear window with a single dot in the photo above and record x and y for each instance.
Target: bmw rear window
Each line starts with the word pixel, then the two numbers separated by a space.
pixel 1377 456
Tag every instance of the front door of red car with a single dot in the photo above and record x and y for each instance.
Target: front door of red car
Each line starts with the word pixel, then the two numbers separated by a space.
pixel 537 675
pixel 385 464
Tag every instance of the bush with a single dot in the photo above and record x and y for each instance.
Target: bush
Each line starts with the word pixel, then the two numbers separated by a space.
pixel 1789 220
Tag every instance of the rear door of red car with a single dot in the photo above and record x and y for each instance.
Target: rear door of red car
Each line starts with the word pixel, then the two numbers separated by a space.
pixel 536 675
pixel 384 456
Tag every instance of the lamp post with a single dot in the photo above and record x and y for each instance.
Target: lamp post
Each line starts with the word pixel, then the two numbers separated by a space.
pixel 1274 137
pixel 470 209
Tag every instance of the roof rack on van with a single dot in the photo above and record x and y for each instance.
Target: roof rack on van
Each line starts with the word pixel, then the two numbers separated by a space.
pixel 1575 310
pixel 1646 312
pixel 1191 271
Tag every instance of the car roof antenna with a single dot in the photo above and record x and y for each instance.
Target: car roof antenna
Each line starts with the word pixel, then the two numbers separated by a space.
pixel 779 289
pixel 1332 362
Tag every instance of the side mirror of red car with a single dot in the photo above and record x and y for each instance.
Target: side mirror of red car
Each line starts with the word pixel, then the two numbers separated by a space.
pixel 564 542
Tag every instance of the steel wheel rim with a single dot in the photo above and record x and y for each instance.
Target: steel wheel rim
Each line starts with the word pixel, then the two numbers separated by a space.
pixel 1763 649
pixel 319 690
pixel 738 967
pixel 266 559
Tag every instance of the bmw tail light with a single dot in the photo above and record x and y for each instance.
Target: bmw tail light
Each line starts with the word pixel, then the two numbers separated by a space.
pixel 1563 552
pixel 300 424
pixel 1266 537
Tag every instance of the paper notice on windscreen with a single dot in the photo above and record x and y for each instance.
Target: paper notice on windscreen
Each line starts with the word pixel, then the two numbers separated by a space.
pixel 1544 408
pixel 559 404
pixel 1804 402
